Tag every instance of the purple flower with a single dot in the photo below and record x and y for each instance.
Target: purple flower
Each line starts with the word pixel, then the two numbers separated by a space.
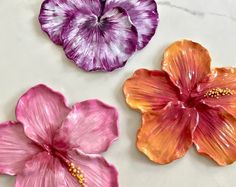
pixel 53 145
pixel 99 34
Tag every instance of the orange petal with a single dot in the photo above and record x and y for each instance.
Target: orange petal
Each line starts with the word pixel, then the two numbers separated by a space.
pixel 149 90
pixel 221 78
pixel 187 63
pixel 167 135
pixel 215 135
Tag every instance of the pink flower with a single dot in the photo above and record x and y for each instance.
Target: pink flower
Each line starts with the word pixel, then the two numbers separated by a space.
pixel 53 145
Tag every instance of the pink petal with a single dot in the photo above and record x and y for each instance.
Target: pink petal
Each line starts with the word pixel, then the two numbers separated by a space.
pixel 41 111
pixel 215 136
pixel 143 14
pixel 15 148
pixel 56 14
pixel 100 43
pixel 97 171
pixel 91 126
pixel 43 170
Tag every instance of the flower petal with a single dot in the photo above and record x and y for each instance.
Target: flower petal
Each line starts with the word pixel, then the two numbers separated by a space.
pixel 95 43
pixel 149 90
pixel 15 148
pixel 41 111
pixel 215 135
pixel 220 78
pixel 43 170
pixel 167 135
pixel 97 171
pixel 143 15
pixel 187 63
pixel 56 14
pixel 91 126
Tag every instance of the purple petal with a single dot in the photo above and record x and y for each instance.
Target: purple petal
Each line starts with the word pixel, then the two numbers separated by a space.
pixel 91 126
pixel 55 14
pixel 100 43
pixel 96 170
pixel 143 14
pixel 41 111
pixel 15 148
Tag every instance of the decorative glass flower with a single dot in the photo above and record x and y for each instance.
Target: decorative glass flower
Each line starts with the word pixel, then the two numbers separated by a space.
pixel 186 103
pixel 53 145
pixel 99 34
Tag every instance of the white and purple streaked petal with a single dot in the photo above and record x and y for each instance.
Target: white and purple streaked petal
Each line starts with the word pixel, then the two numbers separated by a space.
pixel 55 14
pixel 41 111
pixel 15 148
pixel 143 14
pixel 91 126
pixel 96 170
pixel 100 42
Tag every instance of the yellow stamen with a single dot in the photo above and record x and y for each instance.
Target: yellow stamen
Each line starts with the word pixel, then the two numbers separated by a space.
pixel 218 92
pixel 77 173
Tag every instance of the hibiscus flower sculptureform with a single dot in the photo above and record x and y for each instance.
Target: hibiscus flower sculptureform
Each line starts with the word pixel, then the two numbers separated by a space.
pixel 186 103
pixel 99 34
pixel 53 145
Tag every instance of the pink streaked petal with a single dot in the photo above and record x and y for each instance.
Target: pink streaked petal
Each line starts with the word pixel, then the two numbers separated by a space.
pixel 100 43
pixel 215 136
pixel 97 171
pixel 56 14
pixel 43 170
pixel 143 14
pixel 41 111
pixel 91 126
pixel 15 148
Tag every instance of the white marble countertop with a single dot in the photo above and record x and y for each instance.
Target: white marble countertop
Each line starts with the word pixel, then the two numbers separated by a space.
pixel 28 57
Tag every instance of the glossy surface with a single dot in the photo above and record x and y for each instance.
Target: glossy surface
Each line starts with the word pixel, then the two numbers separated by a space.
pixel 99 35
pixel 179 113
pixel 48 135
pixel 28 57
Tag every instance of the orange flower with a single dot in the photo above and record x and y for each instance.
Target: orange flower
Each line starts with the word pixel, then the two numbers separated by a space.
pixel 186 103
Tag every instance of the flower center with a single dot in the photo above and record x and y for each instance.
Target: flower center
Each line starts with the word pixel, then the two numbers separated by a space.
pixel 77 173
pixel 219 92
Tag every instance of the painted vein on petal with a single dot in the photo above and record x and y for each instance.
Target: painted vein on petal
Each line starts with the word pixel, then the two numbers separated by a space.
pixel 167 135
pixel 187 64
pixel 149 91
pixel 91 127
pixel 215 135
pixel 222 78
pixel 143 14
pixel 56 14
pixel 41 111
pixel 100 44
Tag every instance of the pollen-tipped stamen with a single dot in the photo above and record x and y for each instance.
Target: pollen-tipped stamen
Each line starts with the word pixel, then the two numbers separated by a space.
pixel 77 173
pixel 219 92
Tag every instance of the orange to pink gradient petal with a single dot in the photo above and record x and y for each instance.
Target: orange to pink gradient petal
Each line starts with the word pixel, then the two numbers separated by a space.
pixel 149 90
pixel 221 78
pixel 185 103
pixel 215 135
pixel 187 63
pixel 167 135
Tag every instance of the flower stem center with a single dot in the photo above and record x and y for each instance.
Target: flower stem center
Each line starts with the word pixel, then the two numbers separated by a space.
pixel 219 92
pixel 77 173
